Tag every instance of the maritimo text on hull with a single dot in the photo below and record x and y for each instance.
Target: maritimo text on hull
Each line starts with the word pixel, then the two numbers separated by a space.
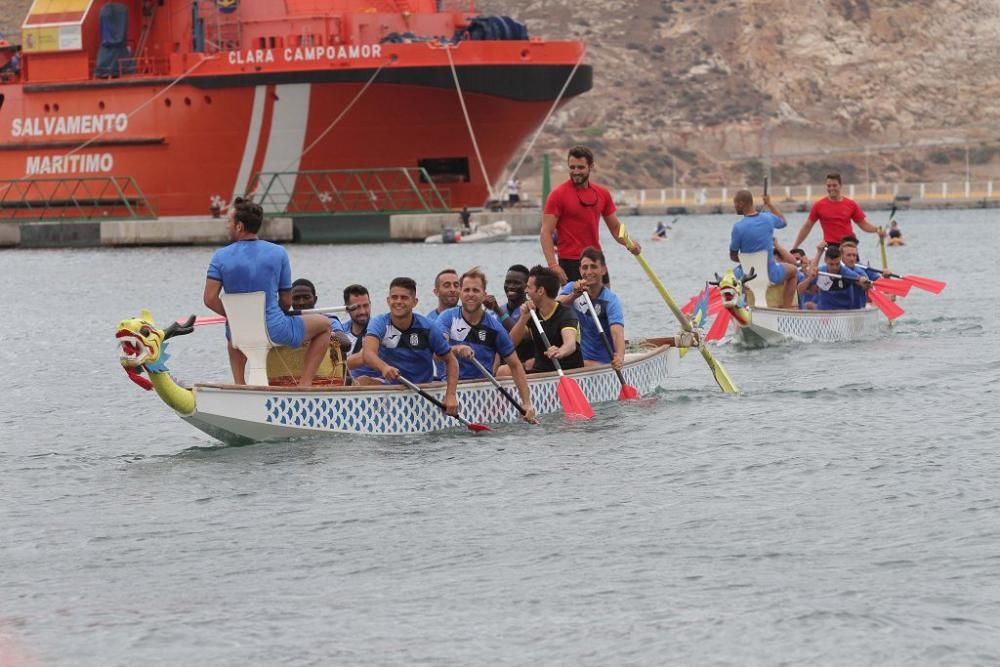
pixel 193 100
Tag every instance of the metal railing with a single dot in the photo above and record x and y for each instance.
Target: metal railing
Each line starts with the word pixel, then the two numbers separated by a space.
pixel 67 199
pixel 324 192
pixel 871 192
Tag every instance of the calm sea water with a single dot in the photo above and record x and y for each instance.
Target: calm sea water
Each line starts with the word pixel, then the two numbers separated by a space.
pixel 844 509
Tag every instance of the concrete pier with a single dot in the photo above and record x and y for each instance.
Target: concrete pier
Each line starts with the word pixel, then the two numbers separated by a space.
pixel 203 230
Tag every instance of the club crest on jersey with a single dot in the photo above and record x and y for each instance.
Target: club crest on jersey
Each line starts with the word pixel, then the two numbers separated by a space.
pixel 482 335
pixel 414 340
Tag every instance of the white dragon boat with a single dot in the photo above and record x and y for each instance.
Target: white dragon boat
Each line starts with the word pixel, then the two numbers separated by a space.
pixel 761 326
pixel 239 414
pixel 773 326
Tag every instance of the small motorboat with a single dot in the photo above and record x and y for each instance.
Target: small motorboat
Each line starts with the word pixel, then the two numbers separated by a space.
pixel 492 232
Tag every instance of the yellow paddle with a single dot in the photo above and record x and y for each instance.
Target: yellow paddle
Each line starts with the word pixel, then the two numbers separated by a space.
pixel 881 247
pixel 725 382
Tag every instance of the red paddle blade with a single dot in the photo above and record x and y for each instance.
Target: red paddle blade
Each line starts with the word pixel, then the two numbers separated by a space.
pixel 894 286
pixel 574 403
pixel 477 428
pixel 926 284
pixel 719 326
pixel 891 287
pixel 628 393
pixel 208 319
pixel 888 308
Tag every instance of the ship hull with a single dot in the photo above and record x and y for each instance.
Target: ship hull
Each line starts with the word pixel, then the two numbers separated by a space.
pixel 208 136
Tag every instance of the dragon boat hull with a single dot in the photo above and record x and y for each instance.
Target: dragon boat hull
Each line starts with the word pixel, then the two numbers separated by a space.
pixel 774 326
pixel 243 414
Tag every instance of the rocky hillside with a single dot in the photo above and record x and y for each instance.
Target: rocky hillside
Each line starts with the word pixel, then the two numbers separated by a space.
pixel 723 86
pixel 720 90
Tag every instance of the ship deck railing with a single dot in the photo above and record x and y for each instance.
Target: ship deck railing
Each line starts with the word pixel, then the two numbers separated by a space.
pixel 74 198
pixel 332 191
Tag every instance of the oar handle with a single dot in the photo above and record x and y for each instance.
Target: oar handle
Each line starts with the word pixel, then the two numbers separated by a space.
pixel 322 311
pixel 604 335
pixel 868 268
pixel 835 275
pixel 545 339
pixel 495 383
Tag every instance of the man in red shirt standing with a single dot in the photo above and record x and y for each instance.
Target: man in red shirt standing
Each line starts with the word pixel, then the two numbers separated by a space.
pixel 573 211
pixel 835 213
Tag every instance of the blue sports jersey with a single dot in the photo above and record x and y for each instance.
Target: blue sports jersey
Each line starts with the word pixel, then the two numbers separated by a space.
pixel 609 310
pixel 260 266
pixel 755 233
pixel 411 351
pixel 486 339
pixel 837 293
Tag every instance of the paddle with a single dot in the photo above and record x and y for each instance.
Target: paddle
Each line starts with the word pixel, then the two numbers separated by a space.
pixel 495 383
pixel 920 282
pixel 628 392
pixel 888 308
pixel 719 326
pixel 472 426
pixel 721 377
pixel 574 403
pixel 221 319
pixel 892 287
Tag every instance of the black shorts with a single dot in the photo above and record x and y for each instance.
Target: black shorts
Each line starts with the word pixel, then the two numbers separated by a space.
pixel 572 269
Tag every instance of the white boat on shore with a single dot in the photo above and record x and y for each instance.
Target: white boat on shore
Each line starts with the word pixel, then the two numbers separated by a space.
pixel 239 414
pixel 492 232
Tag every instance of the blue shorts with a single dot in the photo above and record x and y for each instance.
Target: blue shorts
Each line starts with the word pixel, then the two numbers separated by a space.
pixel 288 331
pixel 775 273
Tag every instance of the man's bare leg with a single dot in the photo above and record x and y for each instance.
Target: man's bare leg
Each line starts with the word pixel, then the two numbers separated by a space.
pixel 318 336
pixel 237 362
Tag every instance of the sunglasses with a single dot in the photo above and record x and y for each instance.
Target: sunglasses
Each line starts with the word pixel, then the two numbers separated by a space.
pixel 584 202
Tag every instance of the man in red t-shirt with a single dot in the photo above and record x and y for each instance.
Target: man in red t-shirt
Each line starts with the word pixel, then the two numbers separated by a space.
pixel 835 213
pixel 573 211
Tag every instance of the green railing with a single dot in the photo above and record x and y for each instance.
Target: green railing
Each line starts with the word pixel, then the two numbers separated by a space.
pixel 66 199
pixel 331 191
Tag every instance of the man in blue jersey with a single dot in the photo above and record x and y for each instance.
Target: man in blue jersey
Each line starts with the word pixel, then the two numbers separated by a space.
pixel 607 305
pixel 473 331
pixel 403 343
pixel 836 290
pixel 357 299
pixel 808 294
pixel 446 289
pixel 849 257
pixel 250 264
pixel 755 233
pixel 514 284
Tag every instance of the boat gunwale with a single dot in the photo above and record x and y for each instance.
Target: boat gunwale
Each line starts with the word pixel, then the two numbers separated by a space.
pixel 662 345
pixel 841 312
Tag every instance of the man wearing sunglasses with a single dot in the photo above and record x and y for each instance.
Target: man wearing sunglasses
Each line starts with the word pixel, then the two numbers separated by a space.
pixel 574 211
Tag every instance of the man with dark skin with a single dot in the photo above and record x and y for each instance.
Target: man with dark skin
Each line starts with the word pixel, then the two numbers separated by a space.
pixel 514 285
pixel 303 294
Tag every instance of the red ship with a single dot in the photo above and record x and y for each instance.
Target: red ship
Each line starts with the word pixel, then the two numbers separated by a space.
pixel 192 100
